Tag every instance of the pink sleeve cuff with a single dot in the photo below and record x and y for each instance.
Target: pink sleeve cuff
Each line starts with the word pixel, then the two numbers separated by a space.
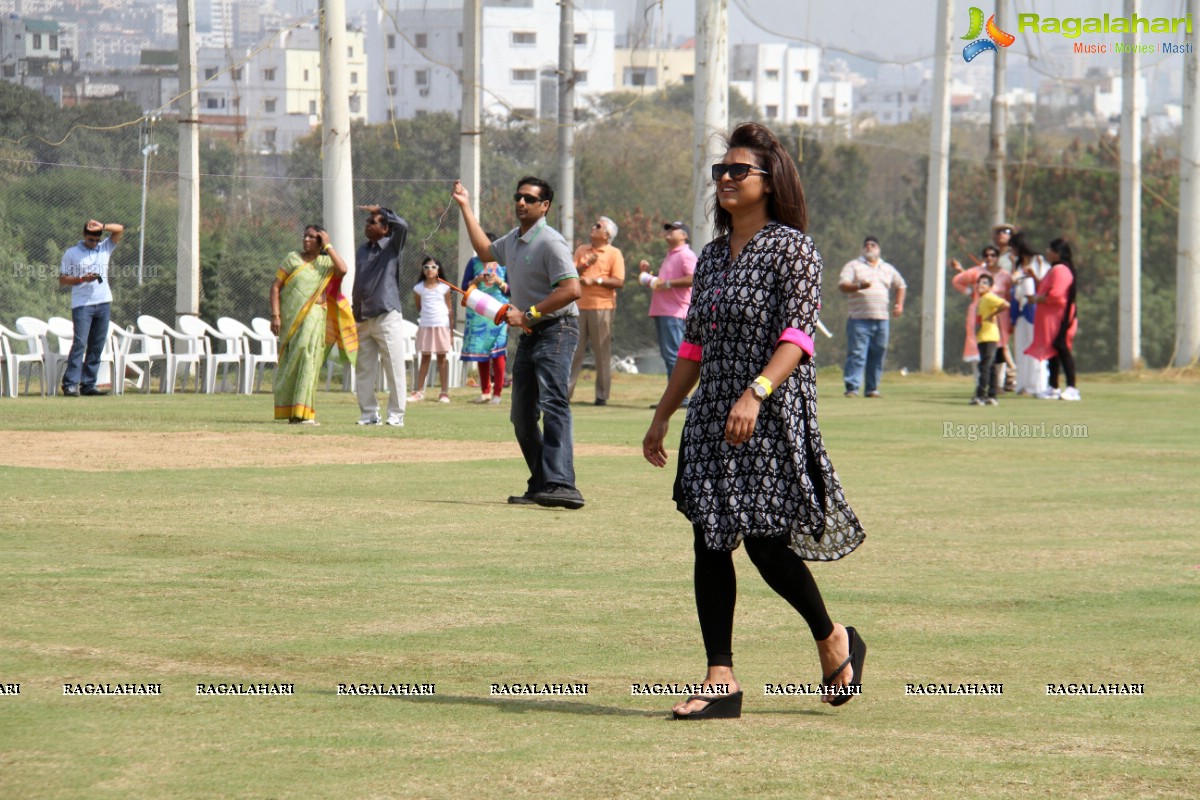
pixel 798 338
pixel 690 351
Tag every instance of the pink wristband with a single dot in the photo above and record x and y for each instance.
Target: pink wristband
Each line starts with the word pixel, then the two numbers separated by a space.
pixel 798 338
pixel 690 352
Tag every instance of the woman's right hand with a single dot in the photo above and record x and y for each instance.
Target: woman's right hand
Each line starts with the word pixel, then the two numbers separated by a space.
pixel 275 324
pixel 652 443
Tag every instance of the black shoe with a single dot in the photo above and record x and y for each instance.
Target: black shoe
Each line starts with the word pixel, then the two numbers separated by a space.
pixel 724 706
pixel 94 392
pixel 600 402
pixel 70 391
pixel 559 497
pixel 522 499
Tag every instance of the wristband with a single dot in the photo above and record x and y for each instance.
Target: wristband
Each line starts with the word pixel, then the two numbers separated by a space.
pixel 765 382
pixel 533 312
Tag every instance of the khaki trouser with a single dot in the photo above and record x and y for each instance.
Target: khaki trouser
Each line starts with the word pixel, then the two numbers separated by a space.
pixel 595 328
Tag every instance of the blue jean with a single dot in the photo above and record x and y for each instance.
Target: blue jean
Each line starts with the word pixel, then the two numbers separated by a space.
pixel 670 336
pixel 541 373
pixel 866 346
pixel 91 331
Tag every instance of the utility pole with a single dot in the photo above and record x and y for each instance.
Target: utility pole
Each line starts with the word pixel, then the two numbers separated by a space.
pixel 471 132
pixel 711 110
pixel 999 132
pixel 187 267
pixel 566 121
pixel 1129 318
pixel 336 169
pixel 1187 264
pixel 933 299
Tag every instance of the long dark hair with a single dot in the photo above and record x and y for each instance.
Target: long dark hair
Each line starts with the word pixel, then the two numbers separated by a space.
pixel 1022 252
pixel 1063 248
pixel 785 203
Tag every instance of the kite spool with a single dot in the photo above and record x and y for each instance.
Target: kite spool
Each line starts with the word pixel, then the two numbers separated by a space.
pixel 485 305
pixel 646 279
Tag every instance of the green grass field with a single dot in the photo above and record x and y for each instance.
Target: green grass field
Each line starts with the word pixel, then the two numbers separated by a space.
pixel 1021 561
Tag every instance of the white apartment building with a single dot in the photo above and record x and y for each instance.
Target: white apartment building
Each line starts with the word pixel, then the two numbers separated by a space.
pixel 274 98
pixel 418 55
pixel 784 84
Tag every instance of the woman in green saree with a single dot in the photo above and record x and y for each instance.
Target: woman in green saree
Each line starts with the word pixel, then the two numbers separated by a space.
pixel 307 315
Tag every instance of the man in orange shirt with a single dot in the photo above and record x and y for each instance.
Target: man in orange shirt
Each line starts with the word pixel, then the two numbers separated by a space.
pixel 601 270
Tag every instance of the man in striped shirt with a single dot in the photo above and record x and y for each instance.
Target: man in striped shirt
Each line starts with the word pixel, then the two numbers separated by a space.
pixel 868 281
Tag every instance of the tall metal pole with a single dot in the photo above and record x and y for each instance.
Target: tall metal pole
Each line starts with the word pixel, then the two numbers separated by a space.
pixel 187 269
pixel 566 121
pixel 471 125
pixel 1187 264
pixel 336 170
pixel 999 127
pixel 933 299
pixel 1129 322
pixel 147 150
pixel 711 109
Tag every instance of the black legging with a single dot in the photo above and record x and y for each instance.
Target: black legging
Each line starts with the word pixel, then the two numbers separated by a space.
pixel 1062 359
pixel 716 591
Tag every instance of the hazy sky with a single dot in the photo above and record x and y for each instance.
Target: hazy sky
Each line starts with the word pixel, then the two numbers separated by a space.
pixel 889 29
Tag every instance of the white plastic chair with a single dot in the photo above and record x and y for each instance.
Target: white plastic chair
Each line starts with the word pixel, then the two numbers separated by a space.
pixel 32 326
pixel 252 358
pixel 411 356
pixel 192 352
pixel 454 357
pixel 139 355
pixel 118 345
pixel 229 354
pixel 30 351
pixel 268 354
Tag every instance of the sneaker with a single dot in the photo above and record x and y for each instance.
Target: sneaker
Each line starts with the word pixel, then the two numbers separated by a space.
pixel 370 419
pixel 873 393
pixel 522 499
pixel 559 497
pixel 850 393
pixel 443 398
pixel 1071 393
pixel 94 392
pixel 416 397
pixel 70 391
pixel 483 398
pixel 495 400
pixel 991 401
pixel 977 401
pixel 395 420
pixel 1050 394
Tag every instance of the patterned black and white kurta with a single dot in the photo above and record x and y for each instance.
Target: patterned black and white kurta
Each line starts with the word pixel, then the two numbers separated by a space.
pixel 780 482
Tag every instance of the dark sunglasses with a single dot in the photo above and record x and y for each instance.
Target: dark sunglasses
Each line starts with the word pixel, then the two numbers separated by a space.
pixel 529 199
pixel 737 172
pixel 375 221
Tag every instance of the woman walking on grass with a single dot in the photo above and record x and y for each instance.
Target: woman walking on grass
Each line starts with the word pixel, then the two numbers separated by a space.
pixel 752 464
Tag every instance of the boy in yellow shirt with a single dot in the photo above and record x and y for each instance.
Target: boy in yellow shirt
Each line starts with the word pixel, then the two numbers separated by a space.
pixel 987 336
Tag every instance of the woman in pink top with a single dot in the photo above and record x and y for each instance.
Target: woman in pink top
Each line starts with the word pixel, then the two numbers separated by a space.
pixel 966 281
pixel 1055 321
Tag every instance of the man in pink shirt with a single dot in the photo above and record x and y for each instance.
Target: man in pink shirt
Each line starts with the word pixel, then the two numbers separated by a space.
pixel 672 291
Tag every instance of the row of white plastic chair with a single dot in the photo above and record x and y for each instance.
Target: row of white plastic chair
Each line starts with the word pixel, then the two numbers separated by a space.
pixel 130 357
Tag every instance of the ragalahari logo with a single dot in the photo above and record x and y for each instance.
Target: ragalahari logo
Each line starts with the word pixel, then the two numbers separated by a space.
pixel 995 36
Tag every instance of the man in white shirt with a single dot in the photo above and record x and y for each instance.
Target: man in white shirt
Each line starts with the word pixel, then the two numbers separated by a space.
pixel 85 269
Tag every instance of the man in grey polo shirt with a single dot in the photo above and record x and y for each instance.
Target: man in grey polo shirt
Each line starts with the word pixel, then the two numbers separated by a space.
pixel 544 286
